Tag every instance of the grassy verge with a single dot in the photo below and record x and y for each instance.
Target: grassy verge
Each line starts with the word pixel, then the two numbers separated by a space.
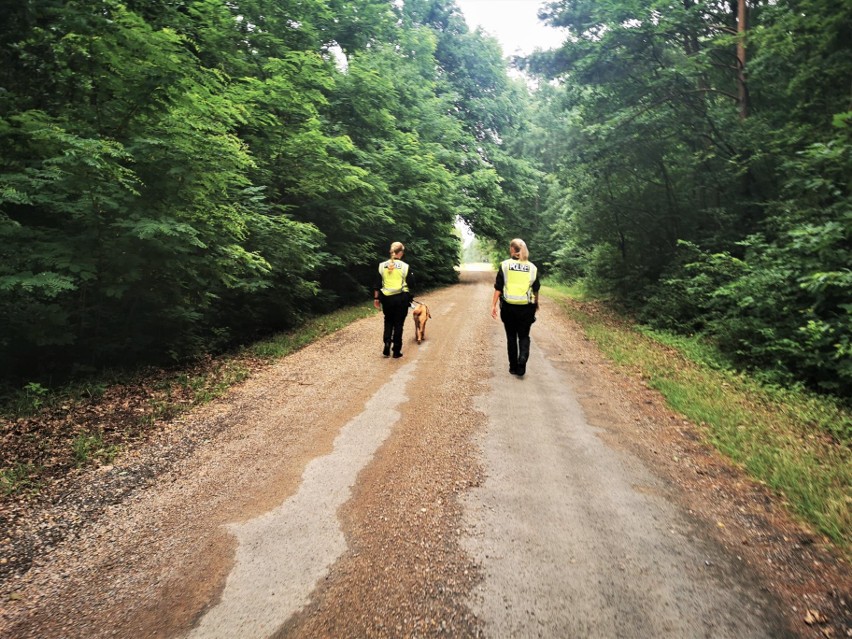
pixel 48 432
pixel 795 442
pixel 285 343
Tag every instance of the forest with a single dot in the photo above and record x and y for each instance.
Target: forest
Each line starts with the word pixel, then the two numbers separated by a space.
pixel 178 177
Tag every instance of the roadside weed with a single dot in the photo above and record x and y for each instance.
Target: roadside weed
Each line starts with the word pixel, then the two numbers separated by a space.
pixel 91 448
pixel 20 478
pixel 286 343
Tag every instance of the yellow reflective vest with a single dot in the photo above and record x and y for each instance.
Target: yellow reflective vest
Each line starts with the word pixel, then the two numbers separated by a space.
pixel 394 280
pixel 518 278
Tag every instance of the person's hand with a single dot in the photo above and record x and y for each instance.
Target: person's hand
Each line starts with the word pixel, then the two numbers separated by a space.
pixel 376 302
pixel 494 312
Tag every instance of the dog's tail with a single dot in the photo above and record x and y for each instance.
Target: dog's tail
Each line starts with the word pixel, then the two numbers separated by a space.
pixel 419 303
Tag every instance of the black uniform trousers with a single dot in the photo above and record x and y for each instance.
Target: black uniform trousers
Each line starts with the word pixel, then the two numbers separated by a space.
pixel 517 320
pixel 395 309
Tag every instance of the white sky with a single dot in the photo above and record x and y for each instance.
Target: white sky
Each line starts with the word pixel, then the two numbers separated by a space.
pixel 513 22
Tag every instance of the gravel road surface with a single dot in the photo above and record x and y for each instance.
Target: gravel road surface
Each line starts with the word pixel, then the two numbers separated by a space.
pixel 579 539
pixel 343 494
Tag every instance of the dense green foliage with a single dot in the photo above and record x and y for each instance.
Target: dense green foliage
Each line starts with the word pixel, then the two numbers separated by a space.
pixel 176 178
pixel 706 204
pixel 179 177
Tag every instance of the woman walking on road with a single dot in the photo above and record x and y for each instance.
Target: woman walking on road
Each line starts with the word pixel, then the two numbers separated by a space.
pixel 517 288
pixel 392 294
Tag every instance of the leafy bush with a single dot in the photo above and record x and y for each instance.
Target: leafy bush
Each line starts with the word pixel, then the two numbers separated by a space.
pixel 791 311
pixel 685 299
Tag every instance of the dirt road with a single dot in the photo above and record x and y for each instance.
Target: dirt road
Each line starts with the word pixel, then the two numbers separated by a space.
pixel 343 494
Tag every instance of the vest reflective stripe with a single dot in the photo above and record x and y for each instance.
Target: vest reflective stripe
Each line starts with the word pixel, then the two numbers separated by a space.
pixel 518 278
pixel 394 282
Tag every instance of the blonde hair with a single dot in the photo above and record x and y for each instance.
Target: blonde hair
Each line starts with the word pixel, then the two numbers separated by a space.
pixel 396 247
pixel 519 246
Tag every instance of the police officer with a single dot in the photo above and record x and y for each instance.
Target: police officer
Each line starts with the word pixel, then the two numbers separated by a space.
pixel 517 288
pixel 392 293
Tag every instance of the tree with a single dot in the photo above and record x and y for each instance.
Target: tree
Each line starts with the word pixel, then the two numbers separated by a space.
pixel 126 199
pixel 657 155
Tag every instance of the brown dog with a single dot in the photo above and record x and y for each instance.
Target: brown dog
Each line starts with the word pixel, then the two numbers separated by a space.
pixel 420 315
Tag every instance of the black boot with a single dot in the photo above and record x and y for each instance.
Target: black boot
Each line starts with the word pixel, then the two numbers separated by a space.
pixel 386 349
pixel 523 355
pixel 512 351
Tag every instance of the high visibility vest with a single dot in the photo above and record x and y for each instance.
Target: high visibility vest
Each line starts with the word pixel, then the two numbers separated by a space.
pixel 518 278
pixel 394 281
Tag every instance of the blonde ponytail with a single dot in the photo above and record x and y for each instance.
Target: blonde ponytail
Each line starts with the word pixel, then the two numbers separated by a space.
pixel 521 247
pixel 396 247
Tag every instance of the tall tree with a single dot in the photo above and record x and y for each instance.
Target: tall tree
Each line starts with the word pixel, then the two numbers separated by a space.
pixel 126 200
pixel 679 202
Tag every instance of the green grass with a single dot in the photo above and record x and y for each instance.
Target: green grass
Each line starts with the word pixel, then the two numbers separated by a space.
pixel 33 398
pixel 144 397
pixel 20 478
pixel 793 441
pixel 91 447
pixel 184 391
pixel 577 290
pixel 693 348
pixel 286 343
pixel 229 370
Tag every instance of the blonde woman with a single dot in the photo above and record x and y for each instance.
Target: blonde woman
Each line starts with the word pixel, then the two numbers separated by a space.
pixel 392 294
pixel 517 289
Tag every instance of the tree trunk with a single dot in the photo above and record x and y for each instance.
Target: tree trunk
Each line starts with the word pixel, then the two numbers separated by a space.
pixel 742 89
pixel 691 43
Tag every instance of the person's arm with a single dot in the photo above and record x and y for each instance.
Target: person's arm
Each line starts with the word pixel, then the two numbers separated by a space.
pixel 376 289
pixel 536 286
pixel 498 288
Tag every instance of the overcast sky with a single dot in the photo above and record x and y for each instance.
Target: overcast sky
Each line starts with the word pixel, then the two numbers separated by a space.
pixel 513 22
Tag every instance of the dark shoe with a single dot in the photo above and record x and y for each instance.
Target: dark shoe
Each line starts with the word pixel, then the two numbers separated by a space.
pixel 523 355
pixel 523 352
pixel 386 349
pixel 513 370
pixel 396 355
